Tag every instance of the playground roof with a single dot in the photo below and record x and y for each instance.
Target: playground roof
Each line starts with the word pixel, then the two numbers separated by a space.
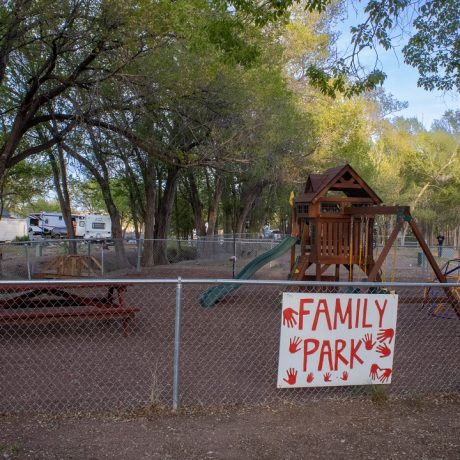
pixel 339 179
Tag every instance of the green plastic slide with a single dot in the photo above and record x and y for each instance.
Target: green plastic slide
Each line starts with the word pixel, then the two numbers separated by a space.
pixel 216 293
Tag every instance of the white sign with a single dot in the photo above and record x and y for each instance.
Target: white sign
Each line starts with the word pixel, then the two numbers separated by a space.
pixel 336 339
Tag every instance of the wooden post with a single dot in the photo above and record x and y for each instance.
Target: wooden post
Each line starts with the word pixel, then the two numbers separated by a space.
pixel 427 252
pixel 385 251
pixel 451 295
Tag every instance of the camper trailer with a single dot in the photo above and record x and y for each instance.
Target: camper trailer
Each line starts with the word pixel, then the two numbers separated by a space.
pixel 97 227
pixel 10 229
pixel 52 224
pixel 51 220
pixel 34 227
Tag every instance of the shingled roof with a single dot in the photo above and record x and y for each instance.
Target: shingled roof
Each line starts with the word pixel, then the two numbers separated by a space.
pixel 335 179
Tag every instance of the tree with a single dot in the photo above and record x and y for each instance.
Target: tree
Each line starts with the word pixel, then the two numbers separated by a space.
pixel 52 50
pixel 450 123
pixel 23 184
pixel 432 48
pixel 94 158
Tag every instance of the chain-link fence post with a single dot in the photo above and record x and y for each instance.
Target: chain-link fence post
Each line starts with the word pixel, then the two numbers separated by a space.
pixel 29 274
pixel 177 327
pixel 38 249
pixel 139 255
pixel 102 260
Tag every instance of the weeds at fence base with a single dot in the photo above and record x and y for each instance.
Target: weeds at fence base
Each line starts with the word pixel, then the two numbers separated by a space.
pixel 9 450
pixel 378 394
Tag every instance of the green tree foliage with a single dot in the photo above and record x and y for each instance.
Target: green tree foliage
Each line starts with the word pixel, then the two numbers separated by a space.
pixel 433 46
pixel 23 184
pixel 450 123
pixel 434 49
pixel 173 114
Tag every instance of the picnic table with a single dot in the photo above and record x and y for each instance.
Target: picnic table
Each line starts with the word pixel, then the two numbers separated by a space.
pixel 49 302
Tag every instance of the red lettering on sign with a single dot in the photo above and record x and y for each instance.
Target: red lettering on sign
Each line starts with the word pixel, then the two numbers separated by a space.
pixel 307 351
pixel 358 309
pixel 340 316
pixel 326 352
pixel 340 345
pixel 354 352
pixel 322 309
pixel 365 315
pixel 381 310
pixel 303 312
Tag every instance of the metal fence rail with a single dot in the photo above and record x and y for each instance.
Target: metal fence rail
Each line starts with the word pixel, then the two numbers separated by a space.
pixel 99 345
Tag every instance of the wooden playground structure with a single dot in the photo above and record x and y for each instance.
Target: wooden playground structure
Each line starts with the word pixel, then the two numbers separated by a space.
pixel 334 221
pixel 70 266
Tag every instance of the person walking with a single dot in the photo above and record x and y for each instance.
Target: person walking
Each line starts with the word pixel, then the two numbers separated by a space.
pixel 440 239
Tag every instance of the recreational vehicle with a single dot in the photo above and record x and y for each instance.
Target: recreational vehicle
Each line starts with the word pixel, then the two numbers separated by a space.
pixel 52 224
pixel 96 227
pixel 50 220
pixel 34 227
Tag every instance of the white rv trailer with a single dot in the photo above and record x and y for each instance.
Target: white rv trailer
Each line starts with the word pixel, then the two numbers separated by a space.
pixel 51 220
pixel 12 228
pixel 34 229
pixel 89 226
pixel 79 225
pixel 93 226
pixel 97 227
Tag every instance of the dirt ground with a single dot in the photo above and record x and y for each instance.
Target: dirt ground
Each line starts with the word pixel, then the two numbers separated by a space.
pixel 413 428
pixel 228 356
pixel 92 367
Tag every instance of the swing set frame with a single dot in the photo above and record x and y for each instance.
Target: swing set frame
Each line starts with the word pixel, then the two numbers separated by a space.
pixel 334 221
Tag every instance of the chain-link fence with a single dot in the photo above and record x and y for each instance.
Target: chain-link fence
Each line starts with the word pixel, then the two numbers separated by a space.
pixel 104 345
pixel 55 258
pixel 98 259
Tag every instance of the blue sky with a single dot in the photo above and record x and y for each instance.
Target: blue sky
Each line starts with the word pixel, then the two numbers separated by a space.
pixel 401 79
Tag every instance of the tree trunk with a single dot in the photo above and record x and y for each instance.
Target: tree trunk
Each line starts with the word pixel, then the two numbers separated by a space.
pixel 149 214
pixel 246 202
pixel 214 206
pixel 136 199
pixel 195 202
pixel 60 184
pixel 163 221
pixel 104 184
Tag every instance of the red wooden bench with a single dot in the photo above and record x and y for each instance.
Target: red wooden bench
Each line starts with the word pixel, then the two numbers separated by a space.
pixel 45 303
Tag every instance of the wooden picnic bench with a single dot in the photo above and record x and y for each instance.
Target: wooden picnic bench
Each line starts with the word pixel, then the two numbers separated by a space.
pixel 45 303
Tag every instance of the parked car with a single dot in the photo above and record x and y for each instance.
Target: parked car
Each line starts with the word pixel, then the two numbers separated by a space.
pixel 276 234
pixel 59 232
pixel 273 234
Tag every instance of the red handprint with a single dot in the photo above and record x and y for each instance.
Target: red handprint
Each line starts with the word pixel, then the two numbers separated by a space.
pixel 383 350
pixel 327 377
pixel 288 317
pixel 310 377
pixel 368 342
pixel 291 376
pixel 385 334
pixel 373 372
pixel 344 376
pixel 385 375
pixel 294 344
